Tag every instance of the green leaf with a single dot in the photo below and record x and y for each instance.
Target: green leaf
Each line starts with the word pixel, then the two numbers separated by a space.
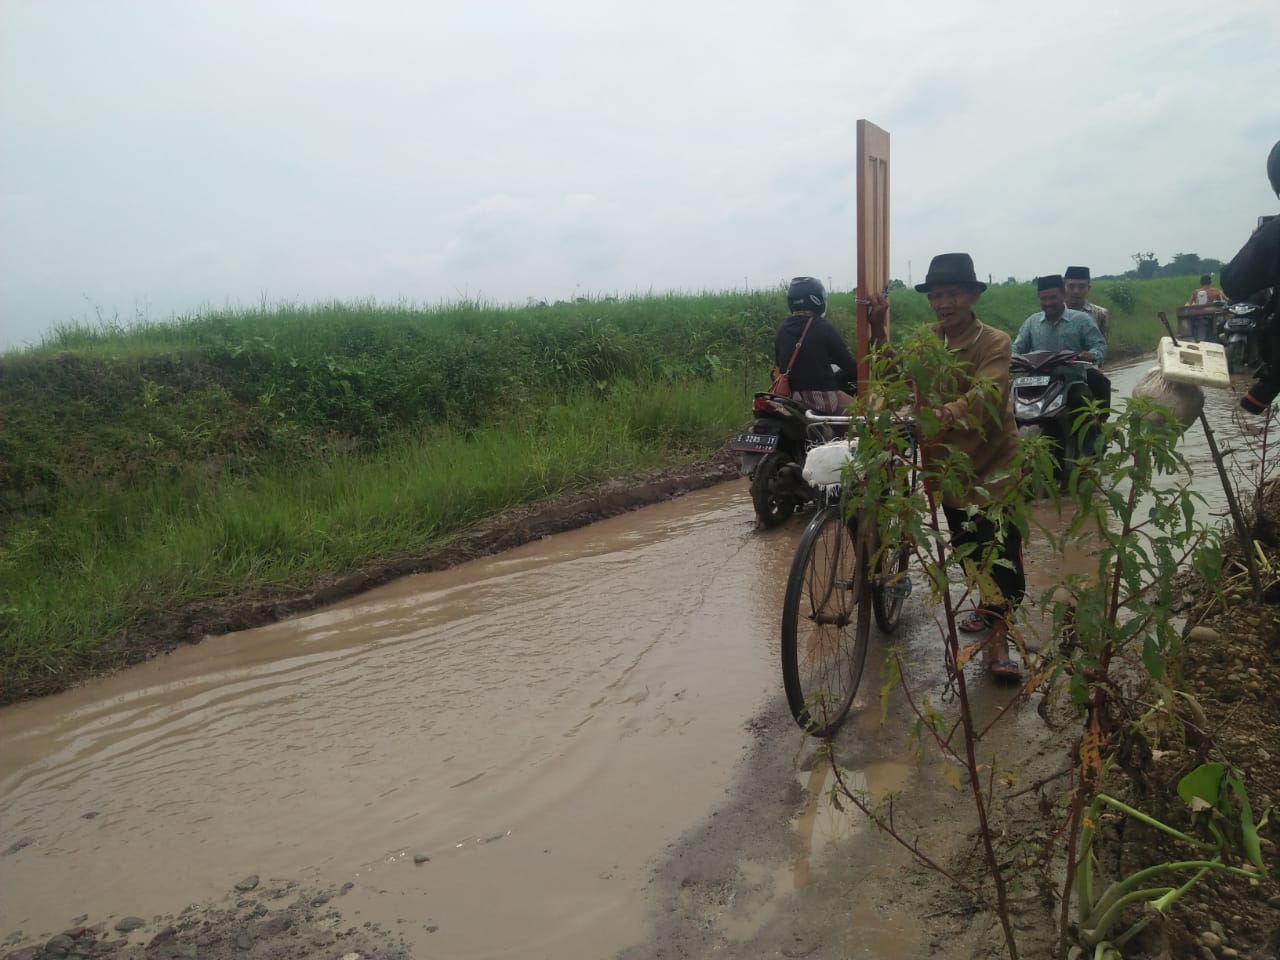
pixel 1152 657
pixel 1205 782
pixel 1248 832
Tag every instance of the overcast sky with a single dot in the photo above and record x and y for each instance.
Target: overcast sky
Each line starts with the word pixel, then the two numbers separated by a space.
pixel 160 157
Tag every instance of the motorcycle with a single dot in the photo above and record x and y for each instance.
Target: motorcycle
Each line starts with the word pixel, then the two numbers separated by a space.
pixel 1239 335
pixel 773 451
pixel 1046 402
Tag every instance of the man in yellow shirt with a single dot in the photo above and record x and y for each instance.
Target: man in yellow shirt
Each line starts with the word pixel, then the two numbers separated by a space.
pixel 984 432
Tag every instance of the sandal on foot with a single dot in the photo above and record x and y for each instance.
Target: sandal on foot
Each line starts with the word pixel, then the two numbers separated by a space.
pixel 1005 670
pixel 973 622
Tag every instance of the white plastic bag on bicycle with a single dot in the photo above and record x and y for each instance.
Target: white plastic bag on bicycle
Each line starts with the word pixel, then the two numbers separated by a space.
pixel 824 463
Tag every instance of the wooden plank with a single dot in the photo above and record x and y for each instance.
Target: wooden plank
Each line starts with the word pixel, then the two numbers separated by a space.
pixel 873 229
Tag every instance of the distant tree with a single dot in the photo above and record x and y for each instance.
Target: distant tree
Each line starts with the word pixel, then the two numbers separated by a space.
pixel 1188 265
pixel 896 284
pixel 1011 282
pixel 1147 265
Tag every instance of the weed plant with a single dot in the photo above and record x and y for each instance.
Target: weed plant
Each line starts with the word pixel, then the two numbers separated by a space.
pixel 1113 654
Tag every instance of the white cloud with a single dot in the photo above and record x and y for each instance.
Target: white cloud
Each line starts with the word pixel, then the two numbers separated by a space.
pixel 211 152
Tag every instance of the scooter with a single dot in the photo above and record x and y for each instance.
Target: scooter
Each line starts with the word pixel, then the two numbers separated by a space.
pixel 1046 402
pixel 1239 335
pixel 773 453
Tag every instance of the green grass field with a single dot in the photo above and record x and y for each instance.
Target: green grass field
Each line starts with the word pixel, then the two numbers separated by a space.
pixel 227 455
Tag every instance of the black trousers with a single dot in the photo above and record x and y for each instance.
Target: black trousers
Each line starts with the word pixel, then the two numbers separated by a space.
pixel 1011 579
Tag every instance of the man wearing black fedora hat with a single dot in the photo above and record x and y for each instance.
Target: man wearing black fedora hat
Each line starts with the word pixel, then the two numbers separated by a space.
pixel 976 417
pixel 1078 285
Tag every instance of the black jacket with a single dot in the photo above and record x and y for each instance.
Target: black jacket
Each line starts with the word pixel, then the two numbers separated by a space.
pixel 822 347
pixel 1256 266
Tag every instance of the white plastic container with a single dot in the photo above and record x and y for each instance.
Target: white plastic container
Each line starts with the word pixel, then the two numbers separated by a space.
pixel 1202 364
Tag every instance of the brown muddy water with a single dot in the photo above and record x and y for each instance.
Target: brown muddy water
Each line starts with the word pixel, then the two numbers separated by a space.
pixel 541 725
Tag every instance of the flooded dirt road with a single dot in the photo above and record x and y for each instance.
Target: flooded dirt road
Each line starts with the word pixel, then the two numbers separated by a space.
pixel 500 759
pixel 539 724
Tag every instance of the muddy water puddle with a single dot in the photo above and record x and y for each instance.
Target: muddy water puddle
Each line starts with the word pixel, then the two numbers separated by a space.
pixel 539 726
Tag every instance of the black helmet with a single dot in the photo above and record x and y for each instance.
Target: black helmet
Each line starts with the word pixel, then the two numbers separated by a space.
pixel 1273 168
pixel 807 293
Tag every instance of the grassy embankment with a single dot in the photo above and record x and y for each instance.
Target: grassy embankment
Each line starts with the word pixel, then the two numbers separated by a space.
pixel 232 455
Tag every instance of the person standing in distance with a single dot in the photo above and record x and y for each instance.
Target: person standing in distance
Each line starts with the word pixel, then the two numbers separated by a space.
pixel 1206 293
pixel 969 425
pixel 1078 285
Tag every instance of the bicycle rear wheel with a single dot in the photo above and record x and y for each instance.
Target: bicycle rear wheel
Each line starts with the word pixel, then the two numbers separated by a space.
pixel 826 622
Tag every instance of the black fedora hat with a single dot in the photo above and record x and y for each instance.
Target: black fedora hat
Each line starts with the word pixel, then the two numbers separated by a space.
pixel 950 268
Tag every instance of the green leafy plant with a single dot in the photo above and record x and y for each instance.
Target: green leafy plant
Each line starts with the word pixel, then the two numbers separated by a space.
pixel 1133 505
pixel 1215 794
pixel 1122 294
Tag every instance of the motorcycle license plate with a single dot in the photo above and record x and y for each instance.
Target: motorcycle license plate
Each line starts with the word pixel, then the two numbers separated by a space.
pixel 1040 381
pixel 755 442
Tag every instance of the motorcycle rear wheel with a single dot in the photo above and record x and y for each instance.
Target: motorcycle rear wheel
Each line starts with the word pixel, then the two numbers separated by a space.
pixel 826 621
pixel 1236 356
pixel 773 507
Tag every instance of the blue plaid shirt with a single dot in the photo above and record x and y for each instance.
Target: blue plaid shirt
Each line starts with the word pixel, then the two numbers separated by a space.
pixel 1075 330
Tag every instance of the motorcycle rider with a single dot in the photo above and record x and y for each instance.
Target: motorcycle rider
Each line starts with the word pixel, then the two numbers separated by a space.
pixel 1057 327
pixel 1251 271
pixel 1078 285
pixel 813 382
pixel 969 426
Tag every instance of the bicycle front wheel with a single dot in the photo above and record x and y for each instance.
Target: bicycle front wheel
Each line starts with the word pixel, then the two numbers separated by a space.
pixel 826 623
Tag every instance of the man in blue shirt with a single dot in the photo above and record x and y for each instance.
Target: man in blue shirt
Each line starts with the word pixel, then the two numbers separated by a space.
pixel 1056 327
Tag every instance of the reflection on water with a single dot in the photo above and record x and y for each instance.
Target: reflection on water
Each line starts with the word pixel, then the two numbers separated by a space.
pixel 822 825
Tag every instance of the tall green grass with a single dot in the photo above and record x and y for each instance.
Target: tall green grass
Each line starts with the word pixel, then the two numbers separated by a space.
pixel 79 580
pixel 144 470
pixel 232 392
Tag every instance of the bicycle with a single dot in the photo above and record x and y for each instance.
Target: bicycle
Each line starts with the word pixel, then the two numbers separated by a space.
pixel 840 576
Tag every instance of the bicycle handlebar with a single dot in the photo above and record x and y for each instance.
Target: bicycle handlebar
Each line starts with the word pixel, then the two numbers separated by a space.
pixel 812 417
